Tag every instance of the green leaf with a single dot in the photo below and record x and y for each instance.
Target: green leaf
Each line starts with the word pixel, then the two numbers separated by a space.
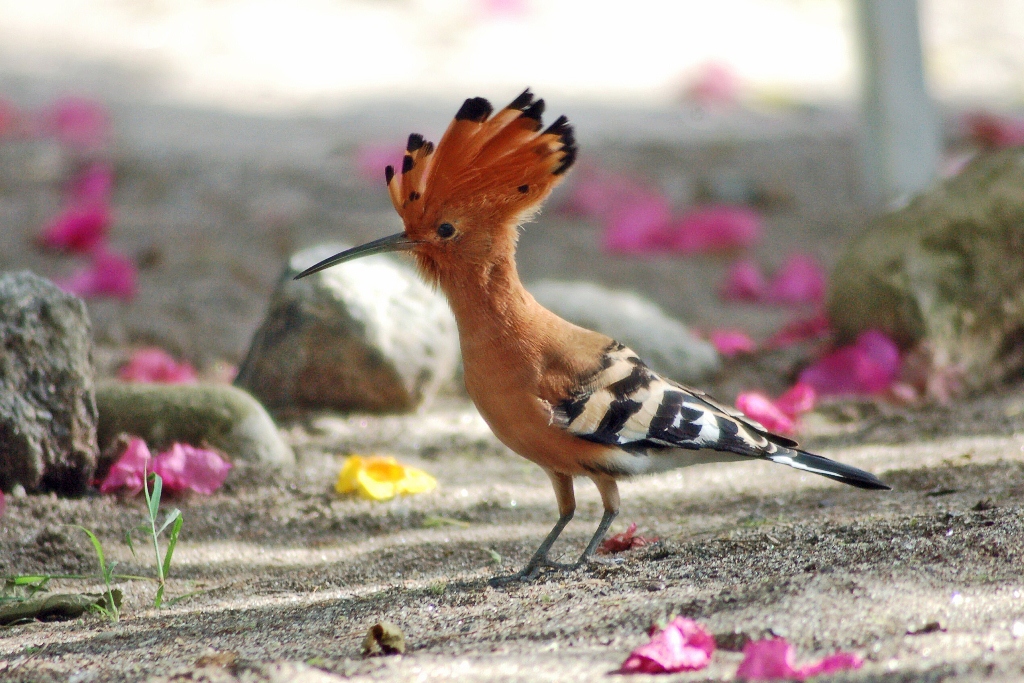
pixel 171 543
pixel 154 498
pixel 171 516
pixel 97 547
pixel 29 580
pixel 159 599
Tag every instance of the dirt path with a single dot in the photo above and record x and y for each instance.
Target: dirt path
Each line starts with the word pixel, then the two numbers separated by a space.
pixel 290 572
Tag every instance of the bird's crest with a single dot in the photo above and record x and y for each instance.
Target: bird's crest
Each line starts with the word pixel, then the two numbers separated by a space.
pixel 486 169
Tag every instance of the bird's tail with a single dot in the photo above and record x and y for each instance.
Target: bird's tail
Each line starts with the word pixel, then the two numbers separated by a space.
pixel 816 464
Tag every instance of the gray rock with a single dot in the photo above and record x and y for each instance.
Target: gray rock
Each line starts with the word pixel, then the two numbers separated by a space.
pixel 47 408
pixel 664 343
pixel 368 335
pixel 218 415
pixel 945 273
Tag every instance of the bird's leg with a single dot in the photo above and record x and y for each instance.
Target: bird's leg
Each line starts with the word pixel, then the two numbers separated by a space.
pixel 609 490
pixel 566 498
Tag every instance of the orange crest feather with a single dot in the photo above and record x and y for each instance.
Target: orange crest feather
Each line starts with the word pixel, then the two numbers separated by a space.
pixel 501 166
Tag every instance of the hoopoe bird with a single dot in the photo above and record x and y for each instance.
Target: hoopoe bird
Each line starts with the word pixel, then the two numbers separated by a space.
pixel 573 401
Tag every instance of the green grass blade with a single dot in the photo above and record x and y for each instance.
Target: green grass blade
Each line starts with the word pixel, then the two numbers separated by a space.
pixel 172 542
pixel 29 580
pixel 154 498
pixel 99 549
pixel 159 600
pixel 171 516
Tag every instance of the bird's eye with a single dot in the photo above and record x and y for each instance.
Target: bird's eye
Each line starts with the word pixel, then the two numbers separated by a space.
pixel 445 230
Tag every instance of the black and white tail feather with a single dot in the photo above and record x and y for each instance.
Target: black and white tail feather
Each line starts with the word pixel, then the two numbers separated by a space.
pixel 658 425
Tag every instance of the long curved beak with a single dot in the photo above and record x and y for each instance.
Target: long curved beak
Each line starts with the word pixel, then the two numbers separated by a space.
pixel 397 242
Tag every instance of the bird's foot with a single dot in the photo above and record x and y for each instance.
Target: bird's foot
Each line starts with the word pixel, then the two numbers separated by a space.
pixel 532 571
pixel 599 561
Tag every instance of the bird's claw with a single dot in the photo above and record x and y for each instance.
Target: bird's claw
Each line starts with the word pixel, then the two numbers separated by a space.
pixel 532 571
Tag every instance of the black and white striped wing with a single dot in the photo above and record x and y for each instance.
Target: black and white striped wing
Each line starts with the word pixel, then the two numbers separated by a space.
pixel 628 405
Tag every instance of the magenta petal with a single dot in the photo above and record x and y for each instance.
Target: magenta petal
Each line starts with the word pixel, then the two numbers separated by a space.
pixel 995 131
pixel 869 366
pixel 3 501
pixel 185 467
pixel 129 472
pixel 156 366
pixel 93 185
pixel 760 408
pixel 732 342
pixel 78 228
pixel 638 226
pixel 109 274
pixel 78 122
pixel 800 330
pixel 840 661
pixel 683 645
pixel 772 660
pixel 767 660
pixel 797 400
pixel 595 193
pixel 800 280
pixel 744 282
pixel 715 228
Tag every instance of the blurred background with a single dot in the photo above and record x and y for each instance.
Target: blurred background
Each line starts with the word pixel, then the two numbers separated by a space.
pixel 234 132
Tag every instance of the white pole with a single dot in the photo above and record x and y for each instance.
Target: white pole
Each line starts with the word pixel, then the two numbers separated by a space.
pixel 902 137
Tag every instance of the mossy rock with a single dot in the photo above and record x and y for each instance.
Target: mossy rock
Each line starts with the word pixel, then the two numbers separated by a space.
pixel 218 415
pixel 946 271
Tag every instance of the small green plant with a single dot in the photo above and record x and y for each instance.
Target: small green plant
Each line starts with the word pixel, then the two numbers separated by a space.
pixel 173 519
pixel 112 610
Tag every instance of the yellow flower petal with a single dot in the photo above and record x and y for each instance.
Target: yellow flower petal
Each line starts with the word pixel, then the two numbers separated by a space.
pixel 381 478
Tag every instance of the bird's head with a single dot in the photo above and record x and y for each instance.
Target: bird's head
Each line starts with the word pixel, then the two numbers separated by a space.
pixel 463 200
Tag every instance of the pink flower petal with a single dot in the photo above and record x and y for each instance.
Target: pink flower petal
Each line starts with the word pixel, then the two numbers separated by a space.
pixel 772 660
pixel 995 131
pixel 683 645
pixel 185 467
pixel 627 540
pixel 78 122
pixel 638 227
pixel 797 400
pixel 868 366
pixel 373 157
pixel 714 228
pixel 760 408
pixel 715 85
pixel 744 282
pixel 93 185
pixel 78 228
pixel 595 193
pixel 802 329
pixel 129 472
pixel 840 661
pixel 156 366
pixel 732 342
pixel 800 280
pixel 108 274
pixel 3 504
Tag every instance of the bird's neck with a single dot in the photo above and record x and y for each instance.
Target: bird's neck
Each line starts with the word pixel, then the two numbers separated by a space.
pixel 492 307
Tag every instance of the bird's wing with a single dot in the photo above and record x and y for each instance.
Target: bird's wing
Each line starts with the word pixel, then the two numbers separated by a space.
pixel 627 404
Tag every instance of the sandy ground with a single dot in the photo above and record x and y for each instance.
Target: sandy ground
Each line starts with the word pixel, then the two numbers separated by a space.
pixel 924 582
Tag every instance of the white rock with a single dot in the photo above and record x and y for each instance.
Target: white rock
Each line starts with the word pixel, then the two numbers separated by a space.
pixel 664 343
pixel 367 335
